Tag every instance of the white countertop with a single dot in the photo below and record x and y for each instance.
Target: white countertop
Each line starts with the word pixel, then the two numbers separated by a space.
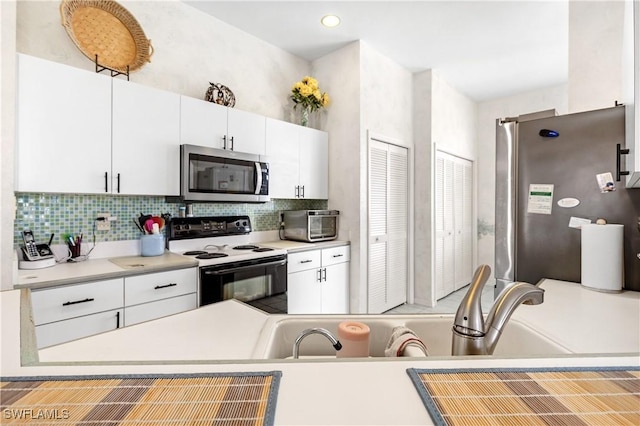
pixel 374 392
pixel 114 267
pixel 99 269
pixel 296 246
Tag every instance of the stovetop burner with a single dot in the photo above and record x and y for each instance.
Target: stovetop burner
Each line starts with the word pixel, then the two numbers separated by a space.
pixel 245 247
pixel 211 255
pixel 259 249
pixel 194 252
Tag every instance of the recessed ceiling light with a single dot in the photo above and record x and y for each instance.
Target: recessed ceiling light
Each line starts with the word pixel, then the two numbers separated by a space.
pixel 330 21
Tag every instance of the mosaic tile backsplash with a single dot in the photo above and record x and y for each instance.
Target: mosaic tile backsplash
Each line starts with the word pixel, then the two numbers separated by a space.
pixel 60 214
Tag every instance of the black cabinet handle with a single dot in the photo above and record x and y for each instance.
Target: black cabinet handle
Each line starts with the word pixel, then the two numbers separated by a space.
pixel 224 142
pixel 306 261
pixel 231 143
pixel 118 319
pixel 302 195
pixel 118 183
pixel 324 274
pixel 338 255
pixel 620 152
pixel 297 191
pixel 165 286
pixel 319 278
pixel 106 182
pixel 78 301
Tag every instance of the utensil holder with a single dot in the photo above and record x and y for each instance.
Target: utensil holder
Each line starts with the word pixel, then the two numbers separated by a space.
pixel 152 245
pixel 75 250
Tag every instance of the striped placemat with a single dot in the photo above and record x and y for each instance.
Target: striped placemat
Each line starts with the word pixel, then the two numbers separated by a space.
pixel 176 399
pixel 604 396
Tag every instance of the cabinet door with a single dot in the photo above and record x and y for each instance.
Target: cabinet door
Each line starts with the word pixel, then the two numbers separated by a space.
pixel 146 140
pixel 314 164
pixel 60 303
pixel 159 309
pixel 77 328
pixel 245 132
pixel 282 145
pixel 202 123
pixel 162 285
pixel 63 128
pixel 335 289
pixel 304 292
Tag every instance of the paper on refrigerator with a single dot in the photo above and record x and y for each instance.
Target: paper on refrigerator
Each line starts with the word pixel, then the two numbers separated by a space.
pixel 540 198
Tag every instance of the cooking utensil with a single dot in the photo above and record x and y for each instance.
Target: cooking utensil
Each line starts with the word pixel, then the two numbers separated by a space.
pixel 159 221
pixel 135 221
pixel 142 219
pixel 148 225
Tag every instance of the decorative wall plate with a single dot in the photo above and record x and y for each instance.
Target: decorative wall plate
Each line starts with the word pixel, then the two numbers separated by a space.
pixel 106 29
pixel 221 95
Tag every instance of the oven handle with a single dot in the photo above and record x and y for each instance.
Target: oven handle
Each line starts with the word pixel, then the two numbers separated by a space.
pixel 244 268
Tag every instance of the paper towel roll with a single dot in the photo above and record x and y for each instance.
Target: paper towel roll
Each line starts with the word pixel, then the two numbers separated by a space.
pixel 603 257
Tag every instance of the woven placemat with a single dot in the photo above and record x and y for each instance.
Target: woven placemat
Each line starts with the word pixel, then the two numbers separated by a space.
pixel 176 399
pixel 535 396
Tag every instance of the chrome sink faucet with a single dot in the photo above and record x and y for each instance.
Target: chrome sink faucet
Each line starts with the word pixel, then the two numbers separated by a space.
pixel 472 335
pixel 296 345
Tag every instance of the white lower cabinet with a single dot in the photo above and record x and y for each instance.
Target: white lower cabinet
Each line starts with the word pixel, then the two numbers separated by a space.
pixel 61 314
pixel 66 313
pixel 157 295
pixel 77 328
pixel 318 281
pixel 159 309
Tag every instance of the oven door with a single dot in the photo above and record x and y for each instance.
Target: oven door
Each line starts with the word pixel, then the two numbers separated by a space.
pixel 245 280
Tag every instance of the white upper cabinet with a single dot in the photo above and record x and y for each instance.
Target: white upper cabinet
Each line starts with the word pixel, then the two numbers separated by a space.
pixel 202 123
pixel 298 161
pixel 631 81
pixel 146 140
pixel 208 124
pixel 314 164
pixel 87 133
pixel 245 132
pixel 283 157
pixel 63 128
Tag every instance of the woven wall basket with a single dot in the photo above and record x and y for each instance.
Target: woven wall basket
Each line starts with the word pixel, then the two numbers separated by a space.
pixel 106 29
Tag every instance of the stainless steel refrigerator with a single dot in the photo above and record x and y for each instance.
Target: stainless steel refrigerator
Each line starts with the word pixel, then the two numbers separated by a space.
pixel 552 174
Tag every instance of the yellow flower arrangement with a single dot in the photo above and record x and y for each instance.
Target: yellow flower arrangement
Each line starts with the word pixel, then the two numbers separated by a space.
pixel 307 94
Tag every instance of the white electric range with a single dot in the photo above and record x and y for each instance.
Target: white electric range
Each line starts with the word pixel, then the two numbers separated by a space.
pixel 230 265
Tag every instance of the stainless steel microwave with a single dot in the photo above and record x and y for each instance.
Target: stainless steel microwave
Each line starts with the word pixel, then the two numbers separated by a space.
pixel 220 175
pixel 310 225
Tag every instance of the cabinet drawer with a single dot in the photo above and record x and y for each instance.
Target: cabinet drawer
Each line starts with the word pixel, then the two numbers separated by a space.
pixel 61 303
pixel 162 285
pixel 331 256
pixel 161 308
pixel 76 328
pixel 303 261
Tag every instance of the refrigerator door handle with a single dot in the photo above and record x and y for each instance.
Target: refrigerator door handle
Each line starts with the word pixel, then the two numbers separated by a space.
pixel 620 152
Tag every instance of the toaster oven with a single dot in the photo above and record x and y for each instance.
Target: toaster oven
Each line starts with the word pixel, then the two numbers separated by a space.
pixel 310 225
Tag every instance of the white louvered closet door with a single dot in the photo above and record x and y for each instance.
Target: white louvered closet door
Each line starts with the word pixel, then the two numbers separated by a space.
pixel 388 225
pixel 454 223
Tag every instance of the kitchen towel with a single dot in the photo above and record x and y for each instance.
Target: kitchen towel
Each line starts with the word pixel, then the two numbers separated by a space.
pixel 404 342
pixel 602 257
pixel 247 398
pixel 530 396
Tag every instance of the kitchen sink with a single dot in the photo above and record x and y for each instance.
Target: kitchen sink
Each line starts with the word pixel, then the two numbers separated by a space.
pixel 434 330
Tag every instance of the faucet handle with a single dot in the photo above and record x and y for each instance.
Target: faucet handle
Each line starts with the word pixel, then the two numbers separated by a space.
pixel 469 319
